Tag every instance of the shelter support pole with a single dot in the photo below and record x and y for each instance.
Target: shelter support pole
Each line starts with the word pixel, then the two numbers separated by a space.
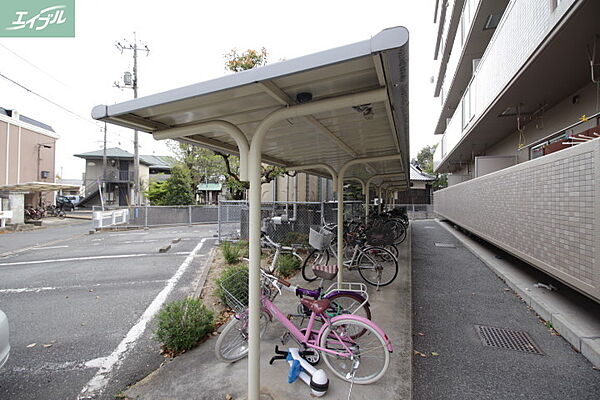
pixel 340 214
pixel 367 201
pixel 368 185
pixel 254 175
pixel 211 126
pixel 379 196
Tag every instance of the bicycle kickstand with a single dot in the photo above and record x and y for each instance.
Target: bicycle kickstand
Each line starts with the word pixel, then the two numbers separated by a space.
pixel 281 355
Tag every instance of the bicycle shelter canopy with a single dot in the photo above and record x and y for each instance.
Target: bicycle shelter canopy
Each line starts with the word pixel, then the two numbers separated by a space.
pixel 342 113
pixel 36 187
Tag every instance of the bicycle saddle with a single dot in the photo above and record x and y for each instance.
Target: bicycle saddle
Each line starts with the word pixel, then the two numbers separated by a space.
pixel 316 306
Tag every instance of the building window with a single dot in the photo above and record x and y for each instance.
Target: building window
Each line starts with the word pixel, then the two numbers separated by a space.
pixel 492 21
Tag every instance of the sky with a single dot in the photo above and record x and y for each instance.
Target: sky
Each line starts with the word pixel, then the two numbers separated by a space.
pixel 187 42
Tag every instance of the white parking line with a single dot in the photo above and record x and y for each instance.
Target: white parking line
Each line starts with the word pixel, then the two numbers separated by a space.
pixel 96 385
pixel 130 233
pixel 49 247
pixel 49 367
pixel 96 285
pixel 76 259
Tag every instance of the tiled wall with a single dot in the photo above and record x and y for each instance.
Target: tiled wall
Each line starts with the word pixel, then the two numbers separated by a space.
pixel 545 211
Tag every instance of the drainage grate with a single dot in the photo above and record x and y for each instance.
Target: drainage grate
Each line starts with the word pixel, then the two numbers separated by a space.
pixel 507 339
pixel 447 245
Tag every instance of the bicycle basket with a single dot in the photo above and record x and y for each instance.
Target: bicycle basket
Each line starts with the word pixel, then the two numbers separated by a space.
pixel 234 290
pixel 319 240
pixel 379 236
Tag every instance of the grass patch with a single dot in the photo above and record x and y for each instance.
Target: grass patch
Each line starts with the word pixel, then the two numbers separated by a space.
pixel 288 265
pixel 233 252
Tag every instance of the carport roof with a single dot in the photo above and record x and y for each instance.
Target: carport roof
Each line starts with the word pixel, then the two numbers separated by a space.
pixel 334 137
pixel 36 187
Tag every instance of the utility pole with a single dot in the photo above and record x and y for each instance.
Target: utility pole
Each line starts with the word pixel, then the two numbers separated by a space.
pixel 104 160
pixel 130 83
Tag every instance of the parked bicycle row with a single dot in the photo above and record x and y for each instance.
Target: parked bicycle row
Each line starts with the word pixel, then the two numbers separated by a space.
pixel 333 324
pixel 42 212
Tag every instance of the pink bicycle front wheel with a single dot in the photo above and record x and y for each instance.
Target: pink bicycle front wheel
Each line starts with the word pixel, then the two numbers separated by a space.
pixel 370 357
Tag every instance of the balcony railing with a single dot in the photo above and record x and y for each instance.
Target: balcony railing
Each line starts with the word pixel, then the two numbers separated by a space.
pixel 118 176
pixel 511 46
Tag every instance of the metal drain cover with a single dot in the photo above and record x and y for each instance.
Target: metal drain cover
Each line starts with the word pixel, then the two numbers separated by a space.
pixel 447 245
pixel 507 339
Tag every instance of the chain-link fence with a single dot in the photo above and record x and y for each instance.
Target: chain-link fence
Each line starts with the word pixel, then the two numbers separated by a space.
pixel 293 226
pixel 146 216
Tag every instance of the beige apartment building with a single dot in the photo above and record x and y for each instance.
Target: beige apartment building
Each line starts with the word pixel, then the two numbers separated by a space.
pixel 302 187
pixel 27 154
pixel 517 94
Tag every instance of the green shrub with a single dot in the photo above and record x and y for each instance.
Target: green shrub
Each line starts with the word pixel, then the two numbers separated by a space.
pixel 244 247
pixel 232 252
pixel 287 265
pixel 235 281
pixel 183 323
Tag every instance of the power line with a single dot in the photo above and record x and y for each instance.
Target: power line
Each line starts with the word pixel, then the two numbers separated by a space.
pixel 48 100
pixel 35 66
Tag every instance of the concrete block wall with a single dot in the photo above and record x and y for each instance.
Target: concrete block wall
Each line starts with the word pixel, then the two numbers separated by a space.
pixel 544 211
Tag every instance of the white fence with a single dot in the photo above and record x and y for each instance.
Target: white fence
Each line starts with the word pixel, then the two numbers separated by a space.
pixel 147 216
pixel 103 219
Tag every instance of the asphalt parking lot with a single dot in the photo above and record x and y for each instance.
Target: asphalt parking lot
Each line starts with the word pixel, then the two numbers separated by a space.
pixel 80 307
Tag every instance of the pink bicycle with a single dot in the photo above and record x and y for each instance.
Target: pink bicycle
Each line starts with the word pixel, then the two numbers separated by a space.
pixel 354 348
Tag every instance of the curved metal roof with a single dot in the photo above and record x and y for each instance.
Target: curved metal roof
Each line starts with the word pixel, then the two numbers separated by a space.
pixel 246 98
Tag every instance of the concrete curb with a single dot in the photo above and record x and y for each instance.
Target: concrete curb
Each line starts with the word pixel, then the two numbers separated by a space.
pixel 198 284
pixel 578 324
pixel 409 320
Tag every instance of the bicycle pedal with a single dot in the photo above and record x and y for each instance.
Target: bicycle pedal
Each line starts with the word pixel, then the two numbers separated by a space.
pixel 285 338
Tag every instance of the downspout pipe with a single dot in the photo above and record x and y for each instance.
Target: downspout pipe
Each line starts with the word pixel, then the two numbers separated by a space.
pixel 340 213
pixel 254 172
pixel 211 126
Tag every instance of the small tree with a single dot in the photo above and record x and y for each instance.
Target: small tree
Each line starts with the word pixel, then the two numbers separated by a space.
pixel 157 193
pixel 249 59
pixel 237 62
pixel 203 164
pixel 179 187
pixel 425 161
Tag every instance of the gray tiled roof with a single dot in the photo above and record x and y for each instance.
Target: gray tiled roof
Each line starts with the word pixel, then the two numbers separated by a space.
pixel 8 113
pixel 113 152
pixel 159 162
pixel 417 175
